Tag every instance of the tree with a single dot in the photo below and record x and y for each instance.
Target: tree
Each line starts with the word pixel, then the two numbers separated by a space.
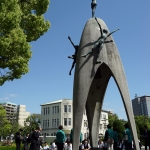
pixel 5 125
pixel 21 22
pixel 119 128
pixel 141 121
pixel 30 123
pixel 112 118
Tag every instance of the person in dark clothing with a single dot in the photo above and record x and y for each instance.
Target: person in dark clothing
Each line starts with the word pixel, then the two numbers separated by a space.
pixel 40 139
pixel 30 137
pixel 26 142
pixel 18 139
pixel 115 139
pixel 85 145
pixel 34 139
pixel 146 136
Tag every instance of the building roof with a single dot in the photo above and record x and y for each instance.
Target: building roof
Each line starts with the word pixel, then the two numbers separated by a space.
pixel 57 101
pixel 141 97
pixel 4 103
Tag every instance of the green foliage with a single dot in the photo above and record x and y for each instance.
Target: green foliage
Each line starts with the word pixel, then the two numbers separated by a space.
pixel 9 147
pixel 141 121
pixel 30 123
pixel 21 22
pixel 5 126
pixel 118 126
pixel 112 118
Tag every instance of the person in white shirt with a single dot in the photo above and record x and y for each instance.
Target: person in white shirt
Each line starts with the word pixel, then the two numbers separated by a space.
pixel 68 146
pixel 53 145
pixel 100 144
pixel 85 145
pixel 46 147
pixel 41 148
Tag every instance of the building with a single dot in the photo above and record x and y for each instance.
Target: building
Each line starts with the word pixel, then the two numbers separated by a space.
pixel 141 106
pixel 22 114
pixel 10 108
pixel 61 112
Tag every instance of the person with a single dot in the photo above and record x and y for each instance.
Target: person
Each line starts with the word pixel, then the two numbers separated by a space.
pixel 127 137
pixel 29 138
pixel 41 148
pixel 71 136
pixel 74 56
pixel 100 144
pixel 53 145
pixel 109 137
pixel 34 139
pixel 85 145
pixel 100 42
pixel 60 138
pixel 18 139
pixel 26 142
pixel 115 139
pixel 40 139
pixel 46 147
pixel 146 136
pixel 68 146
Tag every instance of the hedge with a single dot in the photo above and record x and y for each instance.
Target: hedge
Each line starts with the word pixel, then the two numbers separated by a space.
pixel 9 147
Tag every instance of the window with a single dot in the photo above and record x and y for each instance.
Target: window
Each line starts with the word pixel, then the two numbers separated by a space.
pixel 48 110
pixel 58 109
pixel 104 116
pixel 100 126
pixel 43 124
pixel 65 121
pixel 52 123
pixel 57 122
pixel 69 121
pixel 48 123
pixel 85 123
pixel 44 111
pixel 65 108
pixel 69 108
pixel 53 110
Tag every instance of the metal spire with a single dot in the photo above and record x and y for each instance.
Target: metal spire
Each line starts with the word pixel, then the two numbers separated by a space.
pixel 93 6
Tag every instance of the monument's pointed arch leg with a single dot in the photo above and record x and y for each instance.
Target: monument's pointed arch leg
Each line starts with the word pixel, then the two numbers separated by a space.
pixel 95 101
pixel 121 82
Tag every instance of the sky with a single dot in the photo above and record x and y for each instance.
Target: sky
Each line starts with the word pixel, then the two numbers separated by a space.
pixel 48 79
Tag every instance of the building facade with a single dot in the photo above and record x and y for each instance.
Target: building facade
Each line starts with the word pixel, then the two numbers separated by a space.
pixel 141 106
pixel 22 114
pixel 10 108
pixel 60 112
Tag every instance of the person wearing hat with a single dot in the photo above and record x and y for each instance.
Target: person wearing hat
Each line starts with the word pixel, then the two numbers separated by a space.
pixel 18 139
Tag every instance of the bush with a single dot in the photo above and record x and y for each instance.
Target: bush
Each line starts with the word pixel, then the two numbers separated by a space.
pixel 9 147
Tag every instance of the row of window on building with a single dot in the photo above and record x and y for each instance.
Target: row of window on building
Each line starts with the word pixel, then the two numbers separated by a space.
pixel 55 123
pixel 55 109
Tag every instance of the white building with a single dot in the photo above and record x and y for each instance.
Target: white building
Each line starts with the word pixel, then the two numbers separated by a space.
pixel 60 112
pixel 22 114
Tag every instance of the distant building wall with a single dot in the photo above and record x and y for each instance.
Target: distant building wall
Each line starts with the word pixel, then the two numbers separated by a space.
pixel 60 112
pixel 141 106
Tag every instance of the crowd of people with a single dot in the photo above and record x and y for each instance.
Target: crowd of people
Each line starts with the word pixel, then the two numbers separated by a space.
pixel 34 140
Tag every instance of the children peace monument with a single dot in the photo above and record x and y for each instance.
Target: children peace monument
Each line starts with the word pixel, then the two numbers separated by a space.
pixel 97 59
